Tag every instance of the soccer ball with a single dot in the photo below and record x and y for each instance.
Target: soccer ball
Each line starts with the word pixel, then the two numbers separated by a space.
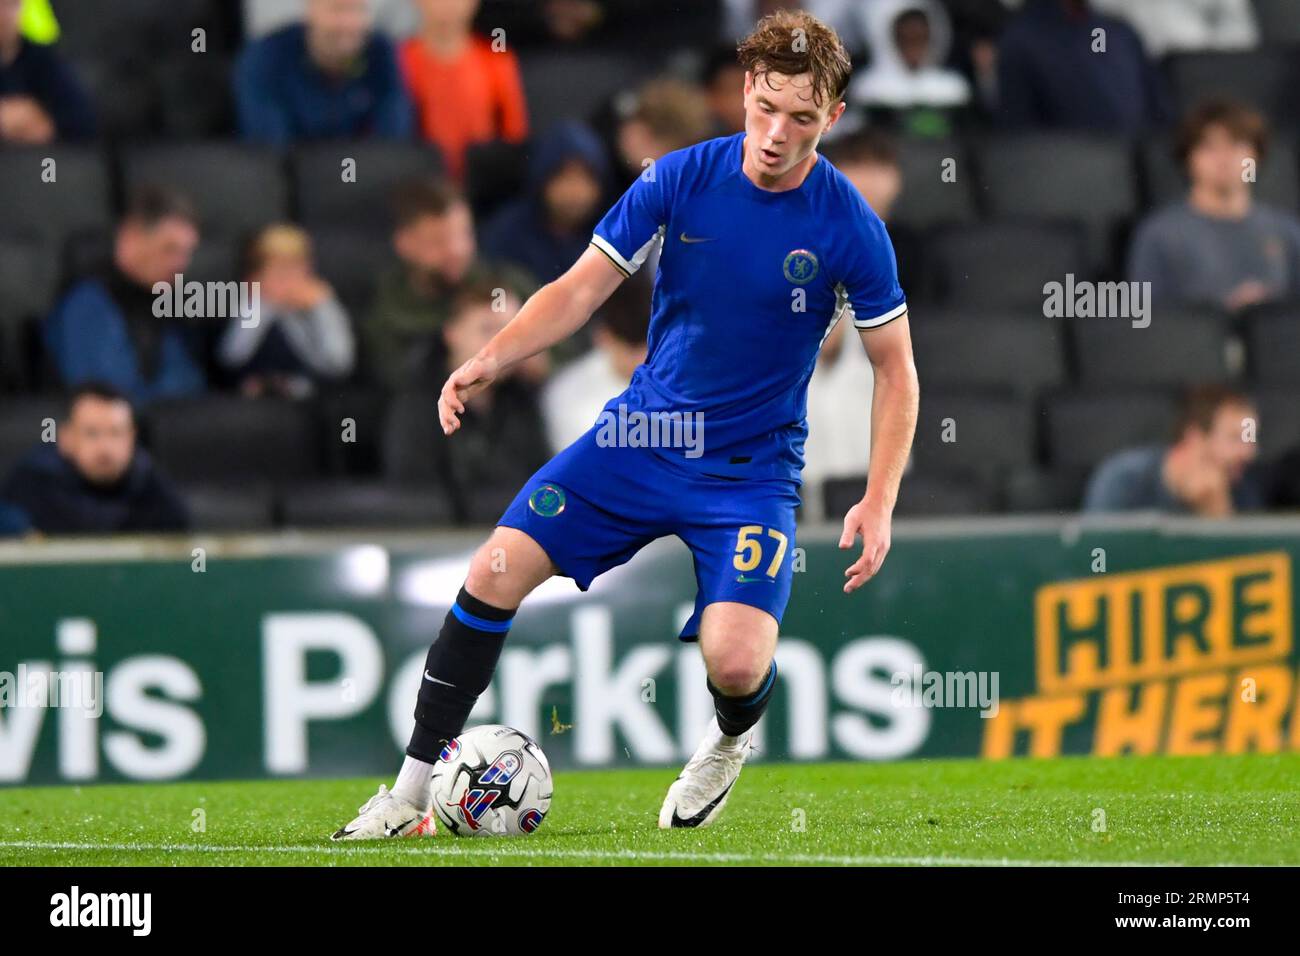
pixel 492 781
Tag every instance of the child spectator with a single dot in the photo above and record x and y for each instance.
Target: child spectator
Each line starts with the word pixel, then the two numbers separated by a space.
pixel 299 334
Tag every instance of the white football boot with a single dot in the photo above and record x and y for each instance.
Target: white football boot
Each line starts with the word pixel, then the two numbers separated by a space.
pixel 385 815
pixel 700 792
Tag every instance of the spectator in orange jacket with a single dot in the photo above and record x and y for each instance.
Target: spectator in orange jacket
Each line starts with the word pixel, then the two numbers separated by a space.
pixel 465 87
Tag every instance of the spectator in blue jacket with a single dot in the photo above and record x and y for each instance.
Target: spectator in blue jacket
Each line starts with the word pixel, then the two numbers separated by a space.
pixel 93 480
pixel 329 77
pixel 40 97
pixel 545 230
pixel 1061 65
pixel 106 328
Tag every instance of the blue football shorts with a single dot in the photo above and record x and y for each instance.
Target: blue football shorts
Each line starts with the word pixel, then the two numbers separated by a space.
pixel 593 507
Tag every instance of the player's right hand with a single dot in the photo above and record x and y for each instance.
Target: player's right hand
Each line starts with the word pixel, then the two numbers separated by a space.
pixel 464 383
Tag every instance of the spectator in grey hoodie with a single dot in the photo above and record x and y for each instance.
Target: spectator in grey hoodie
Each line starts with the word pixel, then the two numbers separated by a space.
pixel 299 334
pixel 1219 246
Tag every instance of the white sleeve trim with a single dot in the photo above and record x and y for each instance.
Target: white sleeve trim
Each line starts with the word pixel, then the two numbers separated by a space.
pixel 880 319
pixel 639 257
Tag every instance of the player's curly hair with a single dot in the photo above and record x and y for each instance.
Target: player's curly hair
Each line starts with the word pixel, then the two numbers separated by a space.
pixel 791 42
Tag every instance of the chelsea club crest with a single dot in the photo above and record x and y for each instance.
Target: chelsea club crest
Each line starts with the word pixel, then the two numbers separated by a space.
pixel 547 501
pixel 801 266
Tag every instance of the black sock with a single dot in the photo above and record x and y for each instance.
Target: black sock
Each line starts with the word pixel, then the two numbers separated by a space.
pixel 462 660
pixel 737 714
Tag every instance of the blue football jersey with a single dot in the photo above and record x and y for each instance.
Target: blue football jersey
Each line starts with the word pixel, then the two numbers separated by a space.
pixel 749 284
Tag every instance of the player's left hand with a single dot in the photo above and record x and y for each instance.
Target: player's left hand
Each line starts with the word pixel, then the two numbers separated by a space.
pixel 873 524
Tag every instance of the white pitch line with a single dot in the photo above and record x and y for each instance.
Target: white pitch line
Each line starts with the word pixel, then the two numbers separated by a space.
pixel 630 856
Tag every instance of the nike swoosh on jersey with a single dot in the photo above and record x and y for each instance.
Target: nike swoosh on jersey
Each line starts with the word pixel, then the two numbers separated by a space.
pixel 688 239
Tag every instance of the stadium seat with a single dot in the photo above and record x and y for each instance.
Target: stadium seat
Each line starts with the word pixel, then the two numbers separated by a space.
pixel 124 95
pixel 237 188
pixel 365 408
pixel 1030 490
pixel 989 350
pixel 78 200
pixel 350 260
pixel 494 173
pixel 1003 264
pixel 1178 348
pixel 922 495
pixel 352 504
pixel 245 506
pixel 1273 344
pixel 971 432
pixel 223 439
pixel 1085 427
pixel 927 200
pixel 1279 420
pixel 573 84
pixel 324 200
pixel 1276 183
pixel 1265 78
pixel 1061 176
pixel 1278 24
pixel 919 495
pixel 217 259
pixel 21 423
pixel 410 431
pixel 191 106
pixel 27 275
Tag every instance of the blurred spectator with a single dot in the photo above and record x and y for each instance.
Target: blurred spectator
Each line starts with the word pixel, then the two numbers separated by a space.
pixel 437 255
pixel 40 97
pixel 1203 472
pixel 1219 246
pixel 665 115
pixel 1176 26
pixel 465 90
pixel 106 329
pixel 394 18
pixel 724 90
pixel 299 334
pixel 330 77
pixel 976 27
pixel 907 83
pixel 842 16
pixel 839 415
pixel 548 228
pixel 501 440
pixel 1053 74
pixel 869 159
pixel 638 25
pixel 93 480
pixel 575 395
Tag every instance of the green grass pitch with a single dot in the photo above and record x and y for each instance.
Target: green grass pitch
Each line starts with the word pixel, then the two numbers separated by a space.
pixel 1157 810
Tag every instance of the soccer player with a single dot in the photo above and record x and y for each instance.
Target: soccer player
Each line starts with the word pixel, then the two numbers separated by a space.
pixel 763 247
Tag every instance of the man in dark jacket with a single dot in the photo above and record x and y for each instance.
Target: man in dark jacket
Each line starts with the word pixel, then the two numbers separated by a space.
pixel 93 480
pixel 106 327
pixel 329 77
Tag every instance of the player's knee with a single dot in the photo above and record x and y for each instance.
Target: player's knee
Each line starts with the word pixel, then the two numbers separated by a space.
pixel 503 571
pixel 737 672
